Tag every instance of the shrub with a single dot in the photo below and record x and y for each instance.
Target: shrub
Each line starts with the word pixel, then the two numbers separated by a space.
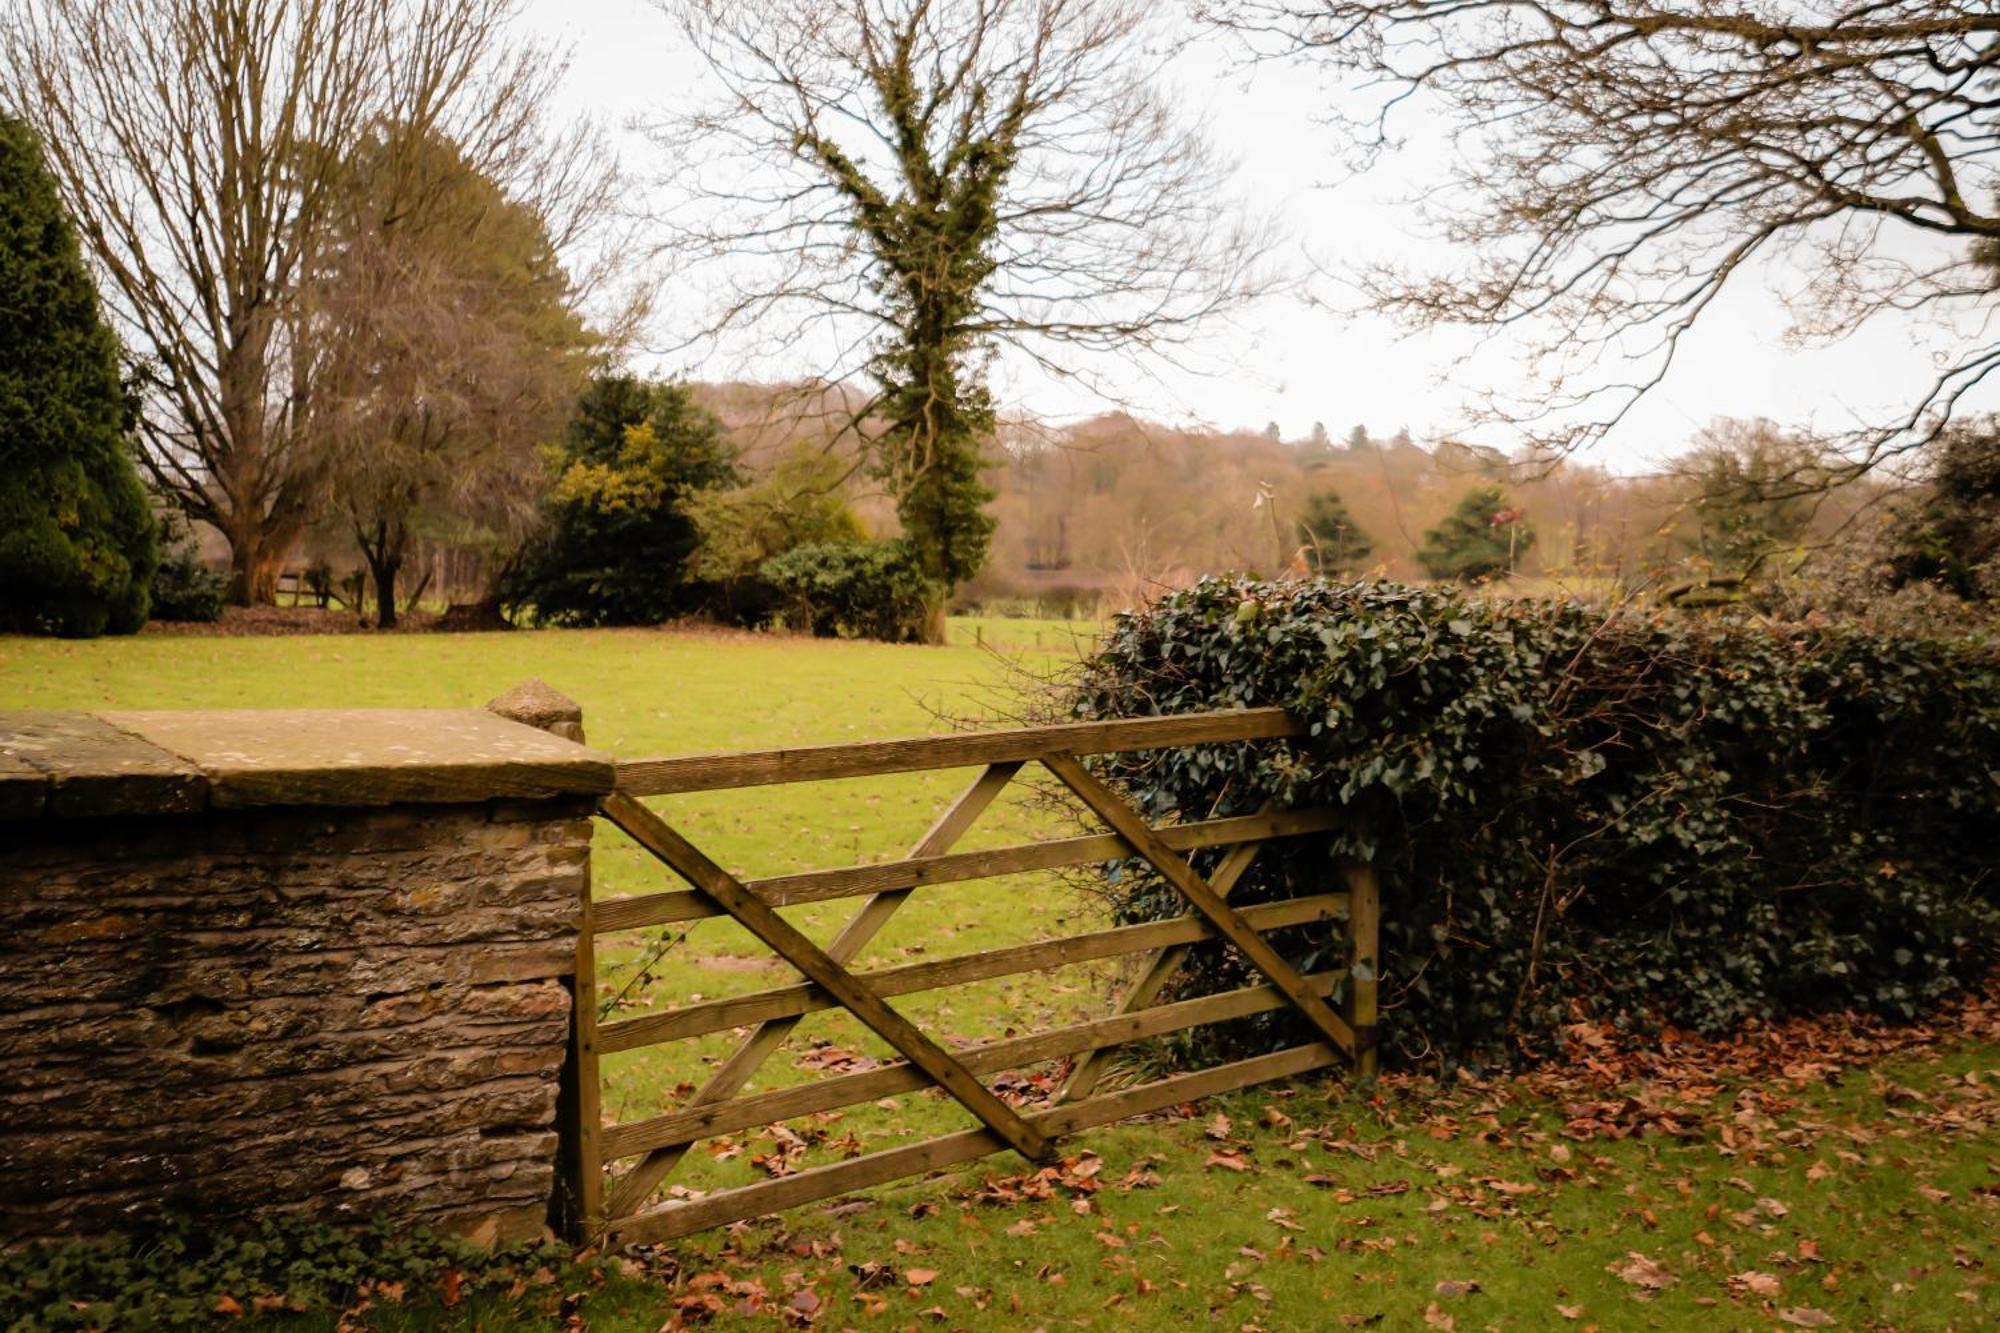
pixel 1952 541
pixel 76 533
pixel 184 588
pixel 797 503
pixel 619 542
pixel 1636 819
pixel 868 590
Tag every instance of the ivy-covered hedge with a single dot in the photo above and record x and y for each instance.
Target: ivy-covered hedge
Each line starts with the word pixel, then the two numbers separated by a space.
pixel 1582 816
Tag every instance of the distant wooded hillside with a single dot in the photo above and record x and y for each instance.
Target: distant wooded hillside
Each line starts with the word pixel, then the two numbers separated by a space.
pixel 1113 506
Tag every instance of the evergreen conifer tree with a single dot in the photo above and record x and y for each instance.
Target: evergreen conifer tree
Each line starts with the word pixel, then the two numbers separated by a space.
pixel 1481 539
pixel 1333 543
pixel 77 539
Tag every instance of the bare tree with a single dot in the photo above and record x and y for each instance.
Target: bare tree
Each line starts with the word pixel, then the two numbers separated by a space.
pixel 200 143
pixel 451 349
pixel 1623 162
pixel 909 187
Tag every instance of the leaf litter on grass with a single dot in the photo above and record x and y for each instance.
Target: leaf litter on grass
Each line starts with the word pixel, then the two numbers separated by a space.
pixel 1704 1176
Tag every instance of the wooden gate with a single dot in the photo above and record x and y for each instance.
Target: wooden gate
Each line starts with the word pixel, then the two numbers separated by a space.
pixel 658 1144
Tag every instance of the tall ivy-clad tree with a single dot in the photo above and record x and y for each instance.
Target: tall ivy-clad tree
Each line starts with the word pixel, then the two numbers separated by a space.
pixel 77 540
pixel 1483 538
pixel 1333 542
pixel 934 184
pixel 620 541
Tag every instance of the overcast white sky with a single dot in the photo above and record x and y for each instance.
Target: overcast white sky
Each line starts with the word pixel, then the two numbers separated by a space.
pixel 1300 361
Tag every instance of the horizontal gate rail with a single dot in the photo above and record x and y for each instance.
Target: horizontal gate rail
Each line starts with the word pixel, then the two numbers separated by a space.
pixel 828 1094
pixel 816 886
pixel 768 1017
pixel 826 1182
pixel 732 1011
pixel 867 759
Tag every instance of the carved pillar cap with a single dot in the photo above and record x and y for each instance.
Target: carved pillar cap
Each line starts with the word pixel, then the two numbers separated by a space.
pixel 535 703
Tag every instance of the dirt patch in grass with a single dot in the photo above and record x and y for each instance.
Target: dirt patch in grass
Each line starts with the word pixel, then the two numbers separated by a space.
pixel 265 621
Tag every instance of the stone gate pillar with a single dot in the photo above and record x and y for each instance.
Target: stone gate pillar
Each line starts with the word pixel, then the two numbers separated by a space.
pixel 309 961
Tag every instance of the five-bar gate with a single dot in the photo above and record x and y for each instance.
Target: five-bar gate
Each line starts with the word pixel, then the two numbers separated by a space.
pixel 656 1146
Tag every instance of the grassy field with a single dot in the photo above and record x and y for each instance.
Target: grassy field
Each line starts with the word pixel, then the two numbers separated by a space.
pixel 1858 1197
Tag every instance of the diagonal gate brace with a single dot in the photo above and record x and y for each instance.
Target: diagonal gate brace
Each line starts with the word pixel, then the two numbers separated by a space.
pixel 784 939
pixel 1161 966
pixel 1128 824
pixel 638 1184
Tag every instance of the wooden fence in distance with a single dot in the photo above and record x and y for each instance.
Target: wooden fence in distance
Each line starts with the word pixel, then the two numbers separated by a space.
pixel 658 1144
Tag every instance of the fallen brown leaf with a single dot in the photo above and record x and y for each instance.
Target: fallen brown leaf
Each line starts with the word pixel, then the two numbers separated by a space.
pixel 1641 1271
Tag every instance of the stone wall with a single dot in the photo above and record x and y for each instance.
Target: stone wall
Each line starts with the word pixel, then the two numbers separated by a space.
pixel 232 1006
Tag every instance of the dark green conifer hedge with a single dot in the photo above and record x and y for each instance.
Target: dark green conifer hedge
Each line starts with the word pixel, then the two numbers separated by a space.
pixel 1583 816
pixel 77 544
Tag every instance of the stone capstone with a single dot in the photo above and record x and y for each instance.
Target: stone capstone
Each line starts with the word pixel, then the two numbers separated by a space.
pixel 85 765
pixel 369 757
pixel 74 765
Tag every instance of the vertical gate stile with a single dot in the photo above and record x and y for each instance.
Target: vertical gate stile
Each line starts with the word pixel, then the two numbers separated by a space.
pixel 583 1121
pixel 633 1188
pixel 1364 929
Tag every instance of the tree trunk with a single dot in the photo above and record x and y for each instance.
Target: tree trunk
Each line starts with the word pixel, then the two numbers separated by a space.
pixel 933 627
pixel 256 558
pixel 244 557
pixel 258 550
pixel 385 571
pixel 384 554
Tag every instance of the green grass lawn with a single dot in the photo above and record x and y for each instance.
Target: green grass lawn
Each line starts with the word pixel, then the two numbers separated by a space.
pixel 1868 1197
pixel 1867 1200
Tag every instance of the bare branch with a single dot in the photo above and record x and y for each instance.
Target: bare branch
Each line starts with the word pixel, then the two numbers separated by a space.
pixel 1622 162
